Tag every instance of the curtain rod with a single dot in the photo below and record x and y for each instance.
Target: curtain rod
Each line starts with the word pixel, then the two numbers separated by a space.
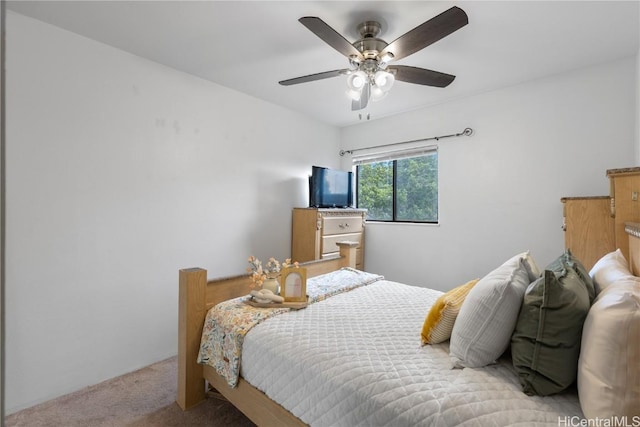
pixel 466 132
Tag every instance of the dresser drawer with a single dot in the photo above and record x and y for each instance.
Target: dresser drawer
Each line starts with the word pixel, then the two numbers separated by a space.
pixel 329 242
pixel 341 225
pixel 359 257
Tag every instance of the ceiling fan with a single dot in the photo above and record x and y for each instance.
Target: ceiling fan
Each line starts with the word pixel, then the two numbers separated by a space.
pixel 369 75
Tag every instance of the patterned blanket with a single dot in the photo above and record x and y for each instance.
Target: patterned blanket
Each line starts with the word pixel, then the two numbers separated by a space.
pixel 227 323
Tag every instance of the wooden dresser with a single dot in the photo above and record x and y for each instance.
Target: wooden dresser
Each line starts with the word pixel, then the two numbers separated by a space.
pixel 316 231
pixel 588 228
pixel 625 207
pixel 595 226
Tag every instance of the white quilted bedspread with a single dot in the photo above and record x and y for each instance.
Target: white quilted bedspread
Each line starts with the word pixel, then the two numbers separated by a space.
pixel 355 359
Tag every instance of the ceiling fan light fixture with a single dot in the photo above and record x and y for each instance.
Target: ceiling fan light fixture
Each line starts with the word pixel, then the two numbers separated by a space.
pixel 377 94
pixel 384 80
pixel 354 94
pixel 357 80
pixel 354 61
pixel 386 57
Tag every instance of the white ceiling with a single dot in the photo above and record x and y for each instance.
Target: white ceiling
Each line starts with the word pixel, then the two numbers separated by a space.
pixel 250 46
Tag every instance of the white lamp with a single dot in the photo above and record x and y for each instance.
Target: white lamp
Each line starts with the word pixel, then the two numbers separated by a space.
pixel 384 80
pixel 377 94
pixel 357 80
pixel 354 94
pixel 379 82
pixel 355 83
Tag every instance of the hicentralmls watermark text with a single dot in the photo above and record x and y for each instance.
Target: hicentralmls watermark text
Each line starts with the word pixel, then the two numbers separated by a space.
pixel 576 421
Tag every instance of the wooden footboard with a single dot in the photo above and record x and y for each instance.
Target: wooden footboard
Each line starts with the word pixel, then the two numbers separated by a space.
pixel 196 297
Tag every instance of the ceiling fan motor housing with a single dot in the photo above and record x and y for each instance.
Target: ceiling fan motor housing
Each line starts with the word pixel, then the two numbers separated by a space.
pixel 369 45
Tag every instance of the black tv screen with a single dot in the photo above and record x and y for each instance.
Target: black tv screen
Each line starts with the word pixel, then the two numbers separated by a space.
pixel 330 188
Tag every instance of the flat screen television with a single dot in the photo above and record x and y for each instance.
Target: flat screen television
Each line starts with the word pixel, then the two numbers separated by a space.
pixel 330 188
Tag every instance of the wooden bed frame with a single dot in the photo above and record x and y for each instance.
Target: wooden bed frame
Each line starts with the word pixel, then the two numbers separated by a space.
pixel 196 297
pixel 633 230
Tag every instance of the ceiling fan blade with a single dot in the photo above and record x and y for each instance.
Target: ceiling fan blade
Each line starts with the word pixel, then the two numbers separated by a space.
pixel 421 76
pixel 427 33
pixel 329 36
pixel 313 77
pixel 363 101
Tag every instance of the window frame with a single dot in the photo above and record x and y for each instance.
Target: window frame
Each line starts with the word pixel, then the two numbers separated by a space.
pixel 394 156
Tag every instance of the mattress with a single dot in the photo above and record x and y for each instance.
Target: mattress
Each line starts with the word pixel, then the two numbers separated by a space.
pixel 227 323
pixel 355 359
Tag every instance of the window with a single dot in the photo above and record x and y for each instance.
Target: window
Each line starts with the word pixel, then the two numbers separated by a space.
pixel 399 186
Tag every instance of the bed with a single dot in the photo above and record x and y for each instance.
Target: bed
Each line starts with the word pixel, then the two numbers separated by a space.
pixel 299 368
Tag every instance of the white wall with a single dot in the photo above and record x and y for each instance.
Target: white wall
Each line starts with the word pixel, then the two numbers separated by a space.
pixel 638 108
pixel 121 172
pixel 500 189
pixel 638 103
pixel 3 10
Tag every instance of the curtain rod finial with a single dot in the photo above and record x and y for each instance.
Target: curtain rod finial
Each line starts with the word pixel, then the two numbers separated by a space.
pixel 467 132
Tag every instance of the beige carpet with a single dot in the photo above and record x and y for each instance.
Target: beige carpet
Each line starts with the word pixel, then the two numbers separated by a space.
pixel 139 399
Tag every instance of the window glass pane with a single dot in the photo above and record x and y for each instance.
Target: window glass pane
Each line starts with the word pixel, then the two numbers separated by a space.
pixel 375 190
pixel 417 189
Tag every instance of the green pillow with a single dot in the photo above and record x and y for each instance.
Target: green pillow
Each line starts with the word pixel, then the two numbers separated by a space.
pixel 567 259
pixel 545 345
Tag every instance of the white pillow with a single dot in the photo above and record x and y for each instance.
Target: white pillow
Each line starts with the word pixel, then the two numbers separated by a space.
pixel 488 316
pixel 609 364
pixel 533 270
pixel 609 269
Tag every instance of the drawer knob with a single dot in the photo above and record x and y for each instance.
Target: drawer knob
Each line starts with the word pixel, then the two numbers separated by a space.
pixel 345 225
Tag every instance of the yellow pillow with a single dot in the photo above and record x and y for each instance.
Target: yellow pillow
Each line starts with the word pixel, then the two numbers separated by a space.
pixel 439 322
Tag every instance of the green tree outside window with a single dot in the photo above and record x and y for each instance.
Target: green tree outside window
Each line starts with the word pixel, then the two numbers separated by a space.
pixel 403 190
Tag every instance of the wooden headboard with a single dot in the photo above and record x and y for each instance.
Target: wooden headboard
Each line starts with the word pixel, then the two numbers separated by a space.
pixel 633 230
